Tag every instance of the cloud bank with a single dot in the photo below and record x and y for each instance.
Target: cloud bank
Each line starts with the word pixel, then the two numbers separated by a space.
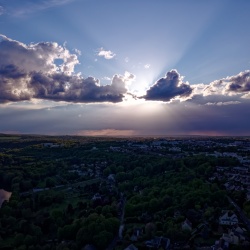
pixel 225 91
pixel 45 70
pixel 232 85
pixel 185 118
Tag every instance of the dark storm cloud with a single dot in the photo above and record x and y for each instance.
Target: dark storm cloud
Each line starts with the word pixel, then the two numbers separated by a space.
pixel 168 88
pixel 10 71
pixel 30 71
pixel 60 87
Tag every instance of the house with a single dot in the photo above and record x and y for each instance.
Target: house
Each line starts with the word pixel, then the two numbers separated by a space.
pixel 177 214
pixel 133 237
pixel 228 218
pixel 238 231
pixel 97 196
pixel 136 234
pixel 186 225
pixel 165 243
pixel 221 169
pixel 231 238
pixel 220 245
pixel 158 242
pixel 89 247
pixel 51 145
pixel 111 178
pixel 175 149
pixel 131 247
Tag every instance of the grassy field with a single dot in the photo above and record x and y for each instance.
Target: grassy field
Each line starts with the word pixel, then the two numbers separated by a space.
pixel 9 138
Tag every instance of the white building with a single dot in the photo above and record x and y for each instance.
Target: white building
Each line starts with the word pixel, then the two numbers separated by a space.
pixel 228 218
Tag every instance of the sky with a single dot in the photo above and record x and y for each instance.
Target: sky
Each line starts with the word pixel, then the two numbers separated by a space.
pixel 125 68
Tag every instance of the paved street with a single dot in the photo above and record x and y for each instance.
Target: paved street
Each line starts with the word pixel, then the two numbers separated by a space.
pixel 119 233
pixel 241 213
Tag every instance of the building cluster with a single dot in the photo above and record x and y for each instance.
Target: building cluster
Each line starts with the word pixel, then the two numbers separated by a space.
pixel 89 169
pixel 234 178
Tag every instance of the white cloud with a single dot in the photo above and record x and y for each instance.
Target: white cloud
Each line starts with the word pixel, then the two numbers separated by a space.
pixel 107 78
pixel 222 103
pixel 128 78
pixel 78 52
pixel 1 10
pixel 107 54
pixel 246 96
pixel 147 66
pixel 230 86
pixel 31 7
pixel 40 57
pixel 126 59
pixel 45 70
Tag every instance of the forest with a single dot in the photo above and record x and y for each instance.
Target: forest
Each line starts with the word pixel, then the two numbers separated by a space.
pixel 80 193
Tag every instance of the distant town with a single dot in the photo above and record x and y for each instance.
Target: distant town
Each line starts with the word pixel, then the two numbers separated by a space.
pixel 69 192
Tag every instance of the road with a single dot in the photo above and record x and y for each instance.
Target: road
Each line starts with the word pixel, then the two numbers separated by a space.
pixel 121 227
pixel 241 213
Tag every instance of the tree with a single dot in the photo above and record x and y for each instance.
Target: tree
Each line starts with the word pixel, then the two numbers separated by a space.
pixel 153 205
pixel 102 239
pixel 23 226
pixel 112 225
pixel 83 237
pixel 49 182
pixel 70 209
pixel 246 207
pixel 26 185
pixel 150 230
pixel 94 228
pixel 107 171
pixel 68 232
pixel 29 240
pixel 18 239
pixel 36 231
pixel 106 210
pixel 121 176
